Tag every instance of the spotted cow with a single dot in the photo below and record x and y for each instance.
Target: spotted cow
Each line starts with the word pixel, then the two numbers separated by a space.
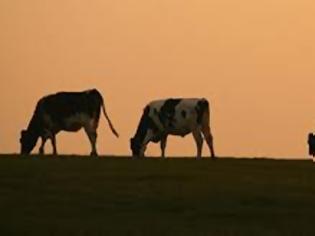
pixel 174 116
pixel 64 111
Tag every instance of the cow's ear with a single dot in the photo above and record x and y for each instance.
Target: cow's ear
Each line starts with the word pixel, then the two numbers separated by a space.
pixel 23 133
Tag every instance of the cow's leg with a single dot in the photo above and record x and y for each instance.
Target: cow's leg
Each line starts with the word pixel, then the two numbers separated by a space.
pixel 53 143
pixel 199 141
pixel 147 139
pixel 163 145
pixel 209 139
pixel 41 148
pixel 92 135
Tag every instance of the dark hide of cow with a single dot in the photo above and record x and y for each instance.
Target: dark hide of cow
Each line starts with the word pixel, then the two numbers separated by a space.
pixel 311 144
pixel 67 111
pixel 201 108
pixel 167 112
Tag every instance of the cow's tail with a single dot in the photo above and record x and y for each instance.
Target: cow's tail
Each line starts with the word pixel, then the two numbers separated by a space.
pixel 203 112
pixel 100 100
pixel 205 125
pixel 204 121
pixel 109 121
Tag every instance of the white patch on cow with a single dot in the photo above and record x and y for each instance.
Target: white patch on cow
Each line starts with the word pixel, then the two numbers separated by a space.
pixel 77 121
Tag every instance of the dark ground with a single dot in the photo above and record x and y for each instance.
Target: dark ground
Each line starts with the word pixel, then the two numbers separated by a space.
pixel 119 196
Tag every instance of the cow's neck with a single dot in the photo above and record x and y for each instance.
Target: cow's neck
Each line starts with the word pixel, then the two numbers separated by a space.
pixel 143 125
pixel 141 131
pixel 34 127
pixel 147 129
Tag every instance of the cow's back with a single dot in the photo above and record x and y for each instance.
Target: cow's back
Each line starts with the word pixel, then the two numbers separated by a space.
pixel 178 115
pixel 55 109
pixel 189 113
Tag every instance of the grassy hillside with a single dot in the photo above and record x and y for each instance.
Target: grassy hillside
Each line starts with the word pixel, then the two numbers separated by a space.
pixel 119 196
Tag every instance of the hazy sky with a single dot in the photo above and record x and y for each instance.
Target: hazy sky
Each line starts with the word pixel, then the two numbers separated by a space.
pixel 253 60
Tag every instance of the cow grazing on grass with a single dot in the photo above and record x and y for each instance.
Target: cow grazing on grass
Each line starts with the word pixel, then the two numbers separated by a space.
pixel 180 117
pixel 311 144
pixel 64 111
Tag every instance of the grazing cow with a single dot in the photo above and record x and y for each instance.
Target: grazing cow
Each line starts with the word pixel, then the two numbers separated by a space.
pixel 311 144
pixel 68 111
pixel 180 117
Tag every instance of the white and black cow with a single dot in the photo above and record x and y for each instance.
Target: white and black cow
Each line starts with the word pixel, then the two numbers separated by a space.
pixel 161 118
pixel 64 111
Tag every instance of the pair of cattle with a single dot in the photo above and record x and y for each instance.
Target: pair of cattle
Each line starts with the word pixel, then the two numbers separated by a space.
pixel 71 111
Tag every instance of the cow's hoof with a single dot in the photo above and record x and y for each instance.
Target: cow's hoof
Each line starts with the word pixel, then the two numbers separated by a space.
pixel 93 154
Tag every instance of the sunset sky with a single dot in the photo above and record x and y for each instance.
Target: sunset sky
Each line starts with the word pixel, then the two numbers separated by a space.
pixel 253 60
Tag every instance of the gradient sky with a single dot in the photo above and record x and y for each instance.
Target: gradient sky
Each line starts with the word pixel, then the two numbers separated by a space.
pixel 253 60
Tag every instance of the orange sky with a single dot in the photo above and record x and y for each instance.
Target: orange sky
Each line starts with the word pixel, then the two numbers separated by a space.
pixel 254 61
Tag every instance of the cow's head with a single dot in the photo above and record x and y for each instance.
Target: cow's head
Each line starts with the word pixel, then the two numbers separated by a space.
pixel 147 131
pixel 137 148
pixel 311 144
pixel 28 142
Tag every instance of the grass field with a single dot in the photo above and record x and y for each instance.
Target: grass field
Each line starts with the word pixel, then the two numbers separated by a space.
pixel 120 196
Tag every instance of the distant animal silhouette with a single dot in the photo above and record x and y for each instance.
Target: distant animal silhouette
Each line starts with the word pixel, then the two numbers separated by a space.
pixel 64 111
pixel 178 116
pixel 311 144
